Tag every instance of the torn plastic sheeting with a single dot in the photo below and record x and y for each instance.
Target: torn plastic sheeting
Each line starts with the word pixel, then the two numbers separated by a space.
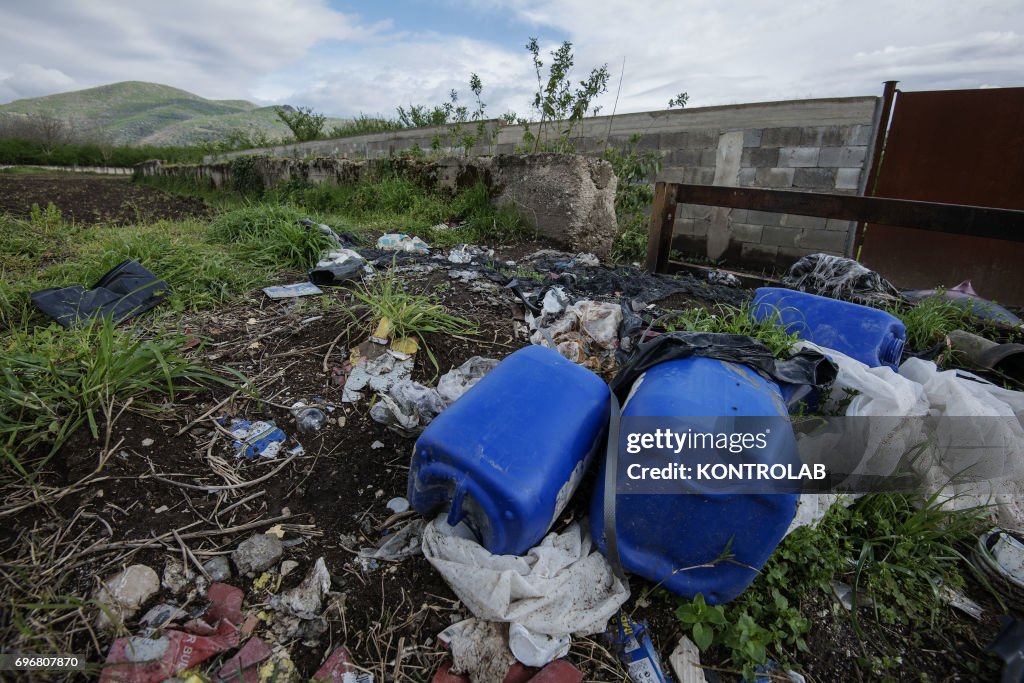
pixel 145 660
pixel 338 266
pixel 408 407
pixel 536 649
pixel 561 586
pixel 804 370
pixel 467 253
pixel 242 667
pixel 343 239
pixel 305 599
pixel 585 329
pixel 398 546
pixel 921 389
pixel 840 278
pixel 402 242
pixel 125 291
pixel 380 374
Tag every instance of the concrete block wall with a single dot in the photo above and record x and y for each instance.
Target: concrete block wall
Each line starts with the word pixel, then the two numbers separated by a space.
pixel 807 145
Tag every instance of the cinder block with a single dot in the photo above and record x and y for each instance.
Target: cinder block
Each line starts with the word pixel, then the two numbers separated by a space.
pixel 693 211
pixel 780 236
pixel 752 137
pixel 842 156
pixel 848 178
pixel 758 254
pixel 823 136
pixel 764 217
pixel 814 178
pixel 683 226
pixel 683 157
pixel 709 156
pixel 859 135
pixel 649 142
pixel 760 157
pixel 701 226
pixel 830 241
pixel 805 222
pixel 793 157
pixel 781 137
pixel 738 215
pixel 675 140
pixel 787 256
pixel 745 232
pixel 698 175
pixel 774 177
pixel 705 137
pixel 839 225
pixel 746 177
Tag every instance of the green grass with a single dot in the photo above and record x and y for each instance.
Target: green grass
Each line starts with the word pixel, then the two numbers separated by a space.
pixel 57 380
pixel 897 548
pixel 735 320
pixel 412 314
pixel 930 320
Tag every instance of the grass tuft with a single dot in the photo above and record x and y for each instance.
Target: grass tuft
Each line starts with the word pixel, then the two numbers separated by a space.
pixel 735 320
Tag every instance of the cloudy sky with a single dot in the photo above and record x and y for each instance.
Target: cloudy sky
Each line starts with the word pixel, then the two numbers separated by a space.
pixel 347 57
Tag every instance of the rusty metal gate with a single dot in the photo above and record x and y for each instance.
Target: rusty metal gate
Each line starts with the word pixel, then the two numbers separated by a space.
pixel 953 147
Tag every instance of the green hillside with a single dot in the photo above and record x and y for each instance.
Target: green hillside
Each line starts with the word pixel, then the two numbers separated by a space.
pixel 133 112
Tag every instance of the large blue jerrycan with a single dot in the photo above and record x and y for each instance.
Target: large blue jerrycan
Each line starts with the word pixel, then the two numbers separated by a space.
pixel 661 535
pixel 867 334
pixel 507 456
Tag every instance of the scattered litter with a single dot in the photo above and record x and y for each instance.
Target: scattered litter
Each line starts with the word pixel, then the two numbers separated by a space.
pixel 1009 647
pixel 147 442
pixel 257 553
pixel 339 667
pixel 376 445
pixel 772 672
pixel 145 660
pixel 348 240
pixel 724 277
pixel 408 407
pixel 406 345
pixel 632 644
pixel 380 374
pixel 398 505
pixel 956 599
pixel 845 594
pixel 980 353
pixel 840 278
pixel 176 577
pixel 160 616
pixel 402 242
pixel 219 568
pixel 479 648
pixel 685 662
pixel 1000 556
pixel 308 418
pixel 253 439
pixel 586 332
pixel 467 253
pixel 121 596
pixel 464 275
pixel 287 567
pixel 536 649
pixel 242 666
pixel 562 586
pixel 125 291
pixel 292 291
pixel 276 530
pixel 399 546
pixel 338 266
pixel 304 600
pixel 964 296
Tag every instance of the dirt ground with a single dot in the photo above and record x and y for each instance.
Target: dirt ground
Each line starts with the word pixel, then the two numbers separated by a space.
pixel 171 478
pixel 90 199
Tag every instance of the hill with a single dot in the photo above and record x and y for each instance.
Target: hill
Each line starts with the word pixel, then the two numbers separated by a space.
pixel 134 112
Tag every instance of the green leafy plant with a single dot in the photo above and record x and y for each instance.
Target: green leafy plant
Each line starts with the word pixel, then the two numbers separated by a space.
pixel 633 196
pixel 930 320
pixel 410 313
pixel 304 123
pixel 703 620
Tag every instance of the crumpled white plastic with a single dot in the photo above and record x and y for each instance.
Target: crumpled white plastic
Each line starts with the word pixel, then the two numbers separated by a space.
pixel 561 586
pixel 921 389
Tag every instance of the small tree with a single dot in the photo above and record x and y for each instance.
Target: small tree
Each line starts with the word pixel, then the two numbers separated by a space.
pixel 304 123
pixel 679 100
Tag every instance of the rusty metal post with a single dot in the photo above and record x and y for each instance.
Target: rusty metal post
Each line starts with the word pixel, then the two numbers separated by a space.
pixel 663 218
pixel 885 116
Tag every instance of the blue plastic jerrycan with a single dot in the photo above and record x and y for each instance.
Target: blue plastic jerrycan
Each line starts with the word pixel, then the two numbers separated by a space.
pixel 661 535
pixel 507 456
pixel 867 334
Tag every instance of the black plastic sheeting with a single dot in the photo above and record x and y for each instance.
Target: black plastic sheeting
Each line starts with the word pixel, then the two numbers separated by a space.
pixel 803 372
pixel 127 290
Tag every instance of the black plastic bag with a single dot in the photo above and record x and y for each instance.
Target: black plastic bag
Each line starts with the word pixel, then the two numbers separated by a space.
pixel 127 290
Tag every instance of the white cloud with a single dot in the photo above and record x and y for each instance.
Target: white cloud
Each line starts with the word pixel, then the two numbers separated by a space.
pixel 29 80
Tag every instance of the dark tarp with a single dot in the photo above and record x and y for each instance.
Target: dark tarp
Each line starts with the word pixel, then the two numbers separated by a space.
pixel 125 291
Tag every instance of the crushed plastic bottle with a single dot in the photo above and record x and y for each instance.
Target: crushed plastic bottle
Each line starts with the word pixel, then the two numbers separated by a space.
pixel 308 419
